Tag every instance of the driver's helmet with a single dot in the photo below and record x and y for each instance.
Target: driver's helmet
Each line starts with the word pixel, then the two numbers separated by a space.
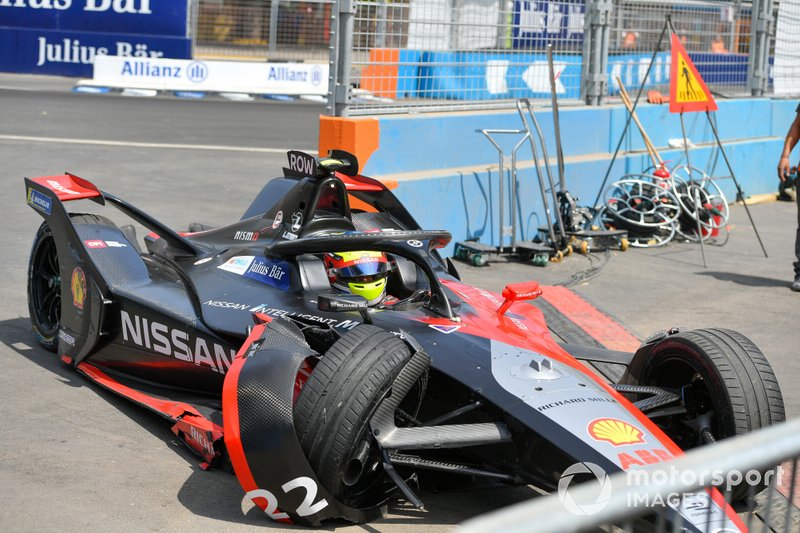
pixel 361 273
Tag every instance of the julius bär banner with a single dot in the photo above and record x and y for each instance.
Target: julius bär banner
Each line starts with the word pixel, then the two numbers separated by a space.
pixel 64 36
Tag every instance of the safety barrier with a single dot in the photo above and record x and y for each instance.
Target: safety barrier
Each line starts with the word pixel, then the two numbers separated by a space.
pixel 655 492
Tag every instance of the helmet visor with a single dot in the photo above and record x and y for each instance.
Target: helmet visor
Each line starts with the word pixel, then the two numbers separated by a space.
pixel 364 272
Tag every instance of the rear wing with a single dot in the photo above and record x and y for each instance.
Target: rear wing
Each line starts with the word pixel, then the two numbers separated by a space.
pixel 66 187
pixel 46 194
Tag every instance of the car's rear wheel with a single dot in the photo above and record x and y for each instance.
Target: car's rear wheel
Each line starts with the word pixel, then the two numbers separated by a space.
pixel 44 282
pixel 726 384
pixel 333 411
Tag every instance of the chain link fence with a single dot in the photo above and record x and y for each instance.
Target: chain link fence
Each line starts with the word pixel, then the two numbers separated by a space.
pixel 444 55
pixel 716 35
pixel 784 49
pixel 433 55
pixel 274 30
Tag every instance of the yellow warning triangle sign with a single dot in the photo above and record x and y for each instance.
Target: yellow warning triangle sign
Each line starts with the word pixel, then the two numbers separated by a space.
pixel 687 90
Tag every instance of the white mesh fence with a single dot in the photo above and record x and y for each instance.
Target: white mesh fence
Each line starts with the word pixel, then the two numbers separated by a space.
pixel 438 55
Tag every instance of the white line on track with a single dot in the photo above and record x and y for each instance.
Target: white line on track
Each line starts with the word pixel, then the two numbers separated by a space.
pixel 96 142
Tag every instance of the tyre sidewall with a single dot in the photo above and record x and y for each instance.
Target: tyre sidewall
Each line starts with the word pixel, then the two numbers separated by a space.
pixel 47 339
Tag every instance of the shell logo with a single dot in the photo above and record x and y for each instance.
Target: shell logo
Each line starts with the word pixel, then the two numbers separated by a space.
pixel 615 431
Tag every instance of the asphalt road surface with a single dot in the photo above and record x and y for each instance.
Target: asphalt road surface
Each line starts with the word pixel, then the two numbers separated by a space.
pixel 74 457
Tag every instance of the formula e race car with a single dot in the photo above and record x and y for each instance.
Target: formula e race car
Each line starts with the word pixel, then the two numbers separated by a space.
pixel 327 407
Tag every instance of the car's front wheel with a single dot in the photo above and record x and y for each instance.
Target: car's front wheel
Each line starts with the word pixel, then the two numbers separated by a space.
pixel 333 411
pixel 725 383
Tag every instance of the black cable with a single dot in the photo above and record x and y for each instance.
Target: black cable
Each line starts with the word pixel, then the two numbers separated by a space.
pixel 588 273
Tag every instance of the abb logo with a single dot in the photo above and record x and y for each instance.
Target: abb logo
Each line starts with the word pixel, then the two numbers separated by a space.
pixel 644 457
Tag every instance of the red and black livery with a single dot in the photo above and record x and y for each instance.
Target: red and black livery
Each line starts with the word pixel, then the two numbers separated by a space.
pixel 327 408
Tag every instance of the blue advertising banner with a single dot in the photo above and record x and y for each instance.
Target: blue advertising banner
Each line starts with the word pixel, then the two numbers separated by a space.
pixel 538 22
pixel 631 69
pixel 730 69
pixel 72 53
pixel 494 75
pixel 499 75
pixel 156 17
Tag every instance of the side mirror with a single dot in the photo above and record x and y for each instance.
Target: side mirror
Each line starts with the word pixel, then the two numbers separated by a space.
pixel 336 303
pixel 516 292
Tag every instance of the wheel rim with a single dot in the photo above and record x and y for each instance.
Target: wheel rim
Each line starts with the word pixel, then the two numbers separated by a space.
pixel 646 237
pixel 45 287
pixel 714 212
pixel 702 401
pixel 641 203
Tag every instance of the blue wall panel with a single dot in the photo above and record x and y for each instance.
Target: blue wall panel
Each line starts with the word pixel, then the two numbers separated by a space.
pixel 424 143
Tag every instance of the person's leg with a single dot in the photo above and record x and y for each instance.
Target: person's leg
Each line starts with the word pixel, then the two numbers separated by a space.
pixel 796 284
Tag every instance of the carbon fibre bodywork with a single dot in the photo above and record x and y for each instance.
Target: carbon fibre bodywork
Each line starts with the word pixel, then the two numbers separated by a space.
pixel 213 330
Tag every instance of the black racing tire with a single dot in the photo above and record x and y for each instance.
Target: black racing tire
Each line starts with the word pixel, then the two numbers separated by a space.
pixel 718 371
pixel 333 409
pixel 44 282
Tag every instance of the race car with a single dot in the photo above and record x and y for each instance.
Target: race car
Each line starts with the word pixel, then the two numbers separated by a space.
pixel 328 405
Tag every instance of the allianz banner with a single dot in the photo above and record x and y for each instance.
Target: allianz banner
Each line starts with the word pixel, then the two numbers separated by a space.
pixel 62 37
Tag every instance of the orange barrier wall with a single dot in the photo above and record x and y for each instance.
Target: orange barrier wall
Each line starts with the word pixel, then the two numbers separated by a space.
pixel 359 136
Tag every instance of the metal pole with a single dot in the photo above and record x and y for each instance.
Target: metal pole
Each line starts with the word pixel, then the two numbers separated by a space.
pixel 736 182
pixel 453 27
pixel 515 195
pixel 380 25
pixel 587 52
pixel 333 61
pixel 559 152
pixel 603 59
pixel 501 171
pixel 341 57
pixel 347 13
pixel 540 175
pixel 273 26
pixel 736 13
pixel 546 158
pixel 758 64
pixel 191 26
pixel 594 83
pixel 696 196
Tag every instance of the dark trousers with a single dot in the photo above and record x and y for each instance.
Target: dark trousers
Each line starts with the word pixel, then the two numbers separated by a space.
pixel 797 237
